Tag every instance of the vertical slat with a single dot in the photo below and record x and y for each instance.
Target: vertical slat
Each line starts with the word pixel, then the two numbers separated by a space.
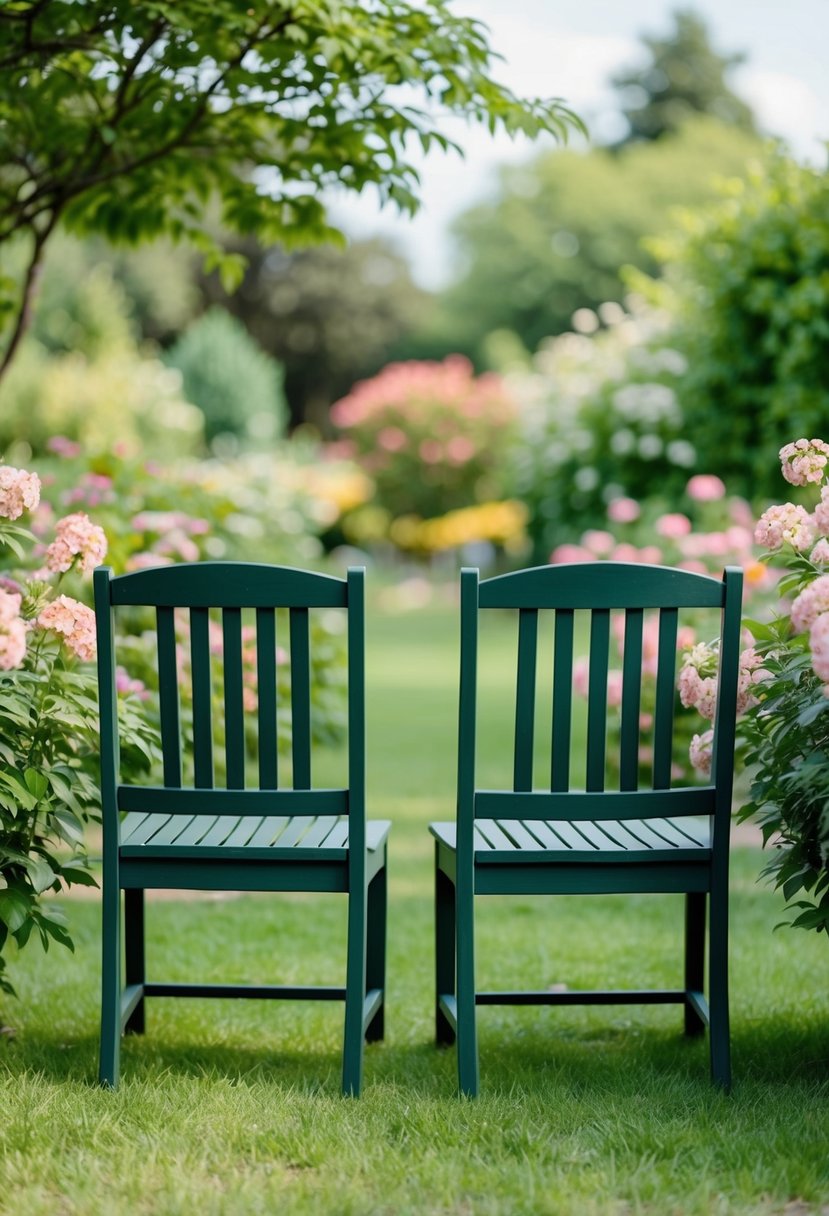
pixel 562 700
pixel 168 696
pixel 234 703
pixel 202 698
pixel 665 691
pixel 266 688
pixel 597 699
pixel 631 700
pixel 301 698
pixel 525 698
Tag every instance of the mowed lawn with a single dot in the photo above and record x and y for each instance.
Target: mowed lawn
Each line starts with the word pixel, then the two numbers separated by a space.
pixel 234 1107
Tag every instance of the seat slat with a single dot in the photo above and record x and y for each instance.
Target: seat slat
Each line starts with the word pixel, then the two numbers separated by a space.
pixel 135 825
pixel 492 835
pixel 198 827
pixel 270 827
pixel 171 830
pixel 520 834
pixel 292 832
pixel 221 829
pixel 243 832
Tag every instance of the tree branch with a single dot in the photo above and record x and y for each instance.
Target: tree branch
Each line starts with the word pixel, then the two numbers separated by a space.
pixel 27 294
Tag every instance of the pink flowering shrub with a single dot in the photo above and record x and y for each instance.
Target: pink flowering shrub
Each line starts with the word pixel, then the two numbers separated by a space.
pixel 433 436
pixel 48 714
pixel 784 695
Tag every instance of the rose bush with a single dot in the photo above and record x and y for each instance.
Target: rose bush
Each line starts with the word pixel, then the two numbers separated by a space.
pixel 48 717
pixel 433 436
pixel 784 695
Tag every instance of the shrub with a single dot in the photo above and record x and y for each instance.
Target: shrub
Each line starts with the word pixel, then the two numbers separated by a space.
pixel 433 436
pixel 229 377
pixel 600 419
pixel 749 283
pixel 48 718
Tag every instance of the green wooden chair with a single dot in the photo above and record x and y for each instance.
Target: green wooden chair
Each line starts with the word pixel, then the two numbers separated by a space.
pixel 597 840
pixel 267 838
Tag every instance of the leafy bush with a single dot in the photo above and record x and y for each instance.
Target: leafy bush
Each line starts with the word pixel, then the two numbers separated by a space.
pixel 749 282
pixel 229 377
pixel 787 733
pixel 433 436
pixel 48 719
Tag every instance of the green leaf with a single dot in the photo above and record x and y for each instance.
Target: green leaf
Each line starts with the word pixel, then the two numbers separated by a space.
pixel 36 782
pixel 14 908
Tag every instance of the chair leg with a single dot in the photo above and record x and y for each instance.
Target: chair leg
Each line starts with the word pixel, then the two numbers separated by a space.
pixel 377 904
pixel 468 1074
pixel 134 954
pixel 695 902
pixel 110 1053
pixel 355 987
pixel 444 951
pixel 718 988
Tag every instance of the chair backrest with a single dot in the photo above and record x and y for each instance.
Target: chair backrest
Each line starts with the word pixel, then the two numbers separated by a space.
pixel 206 600
pixel 645 601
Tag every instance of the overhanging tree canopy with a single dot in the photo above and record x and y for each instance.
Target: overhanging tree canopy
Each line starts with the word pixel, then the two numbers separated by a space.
pixel 124 118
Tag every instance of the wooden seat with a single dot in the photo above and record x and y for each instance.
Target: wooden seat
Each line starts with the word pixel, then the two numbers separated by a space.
pixel 563 840
pixel 253 833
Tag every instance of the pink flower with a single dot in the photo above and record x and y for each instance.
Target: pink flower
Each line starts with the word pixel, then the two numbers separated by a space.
pixel 614 688
pixel 598 543
pixel 785 524
pixel 430 451
pixel 146 561
pixel 623 510
pixel 811 602
pixel 751 672
pixel 804 461
pixel 126 686
pixel 581 676
pixel 77 540
pixel 705 487
pixel 566 553
pixel 10 602
pixel 61 446
pixel 699 751
pixel 822 512
pixel 19 491
pixel 820 554
pixel 819 643
pixel 392 438
pixel 673 526
pixel 12 643
pixel 74 622
pixel 651 555
pixel 460 449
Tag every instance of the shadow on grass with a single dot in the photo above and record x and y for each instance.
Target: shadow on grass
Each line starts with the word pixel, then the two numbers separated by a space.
pixel 527 1060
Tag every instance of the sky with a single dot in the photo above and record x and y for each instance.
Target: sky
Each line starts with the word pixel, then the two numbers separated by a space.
pixel 550 48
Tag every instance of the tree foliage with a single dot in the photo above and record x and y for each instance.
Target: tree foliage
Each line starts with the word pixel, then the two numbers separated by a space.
pixel 560 229
pixel 124 118
pixel 683 75
pixel 749 282
pixel 329 315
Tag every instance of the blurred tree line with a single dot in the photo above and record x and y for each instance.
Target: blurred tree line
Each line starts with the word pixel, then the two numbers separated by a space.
pixel 310 322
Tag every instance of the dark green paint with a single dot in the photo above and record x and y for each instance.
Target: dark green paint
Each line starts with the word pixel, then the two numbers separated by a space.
pixel 201 838
pixel 563 841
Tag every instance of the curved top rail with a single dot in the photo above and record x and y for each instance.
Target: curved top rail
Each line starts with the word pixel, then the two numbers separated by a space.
pixel 602 585
pixel 223 584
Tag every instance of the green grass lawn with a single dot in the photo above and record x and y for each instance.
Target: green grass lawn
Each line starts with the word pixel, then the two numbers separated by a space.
pixel 234 1107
